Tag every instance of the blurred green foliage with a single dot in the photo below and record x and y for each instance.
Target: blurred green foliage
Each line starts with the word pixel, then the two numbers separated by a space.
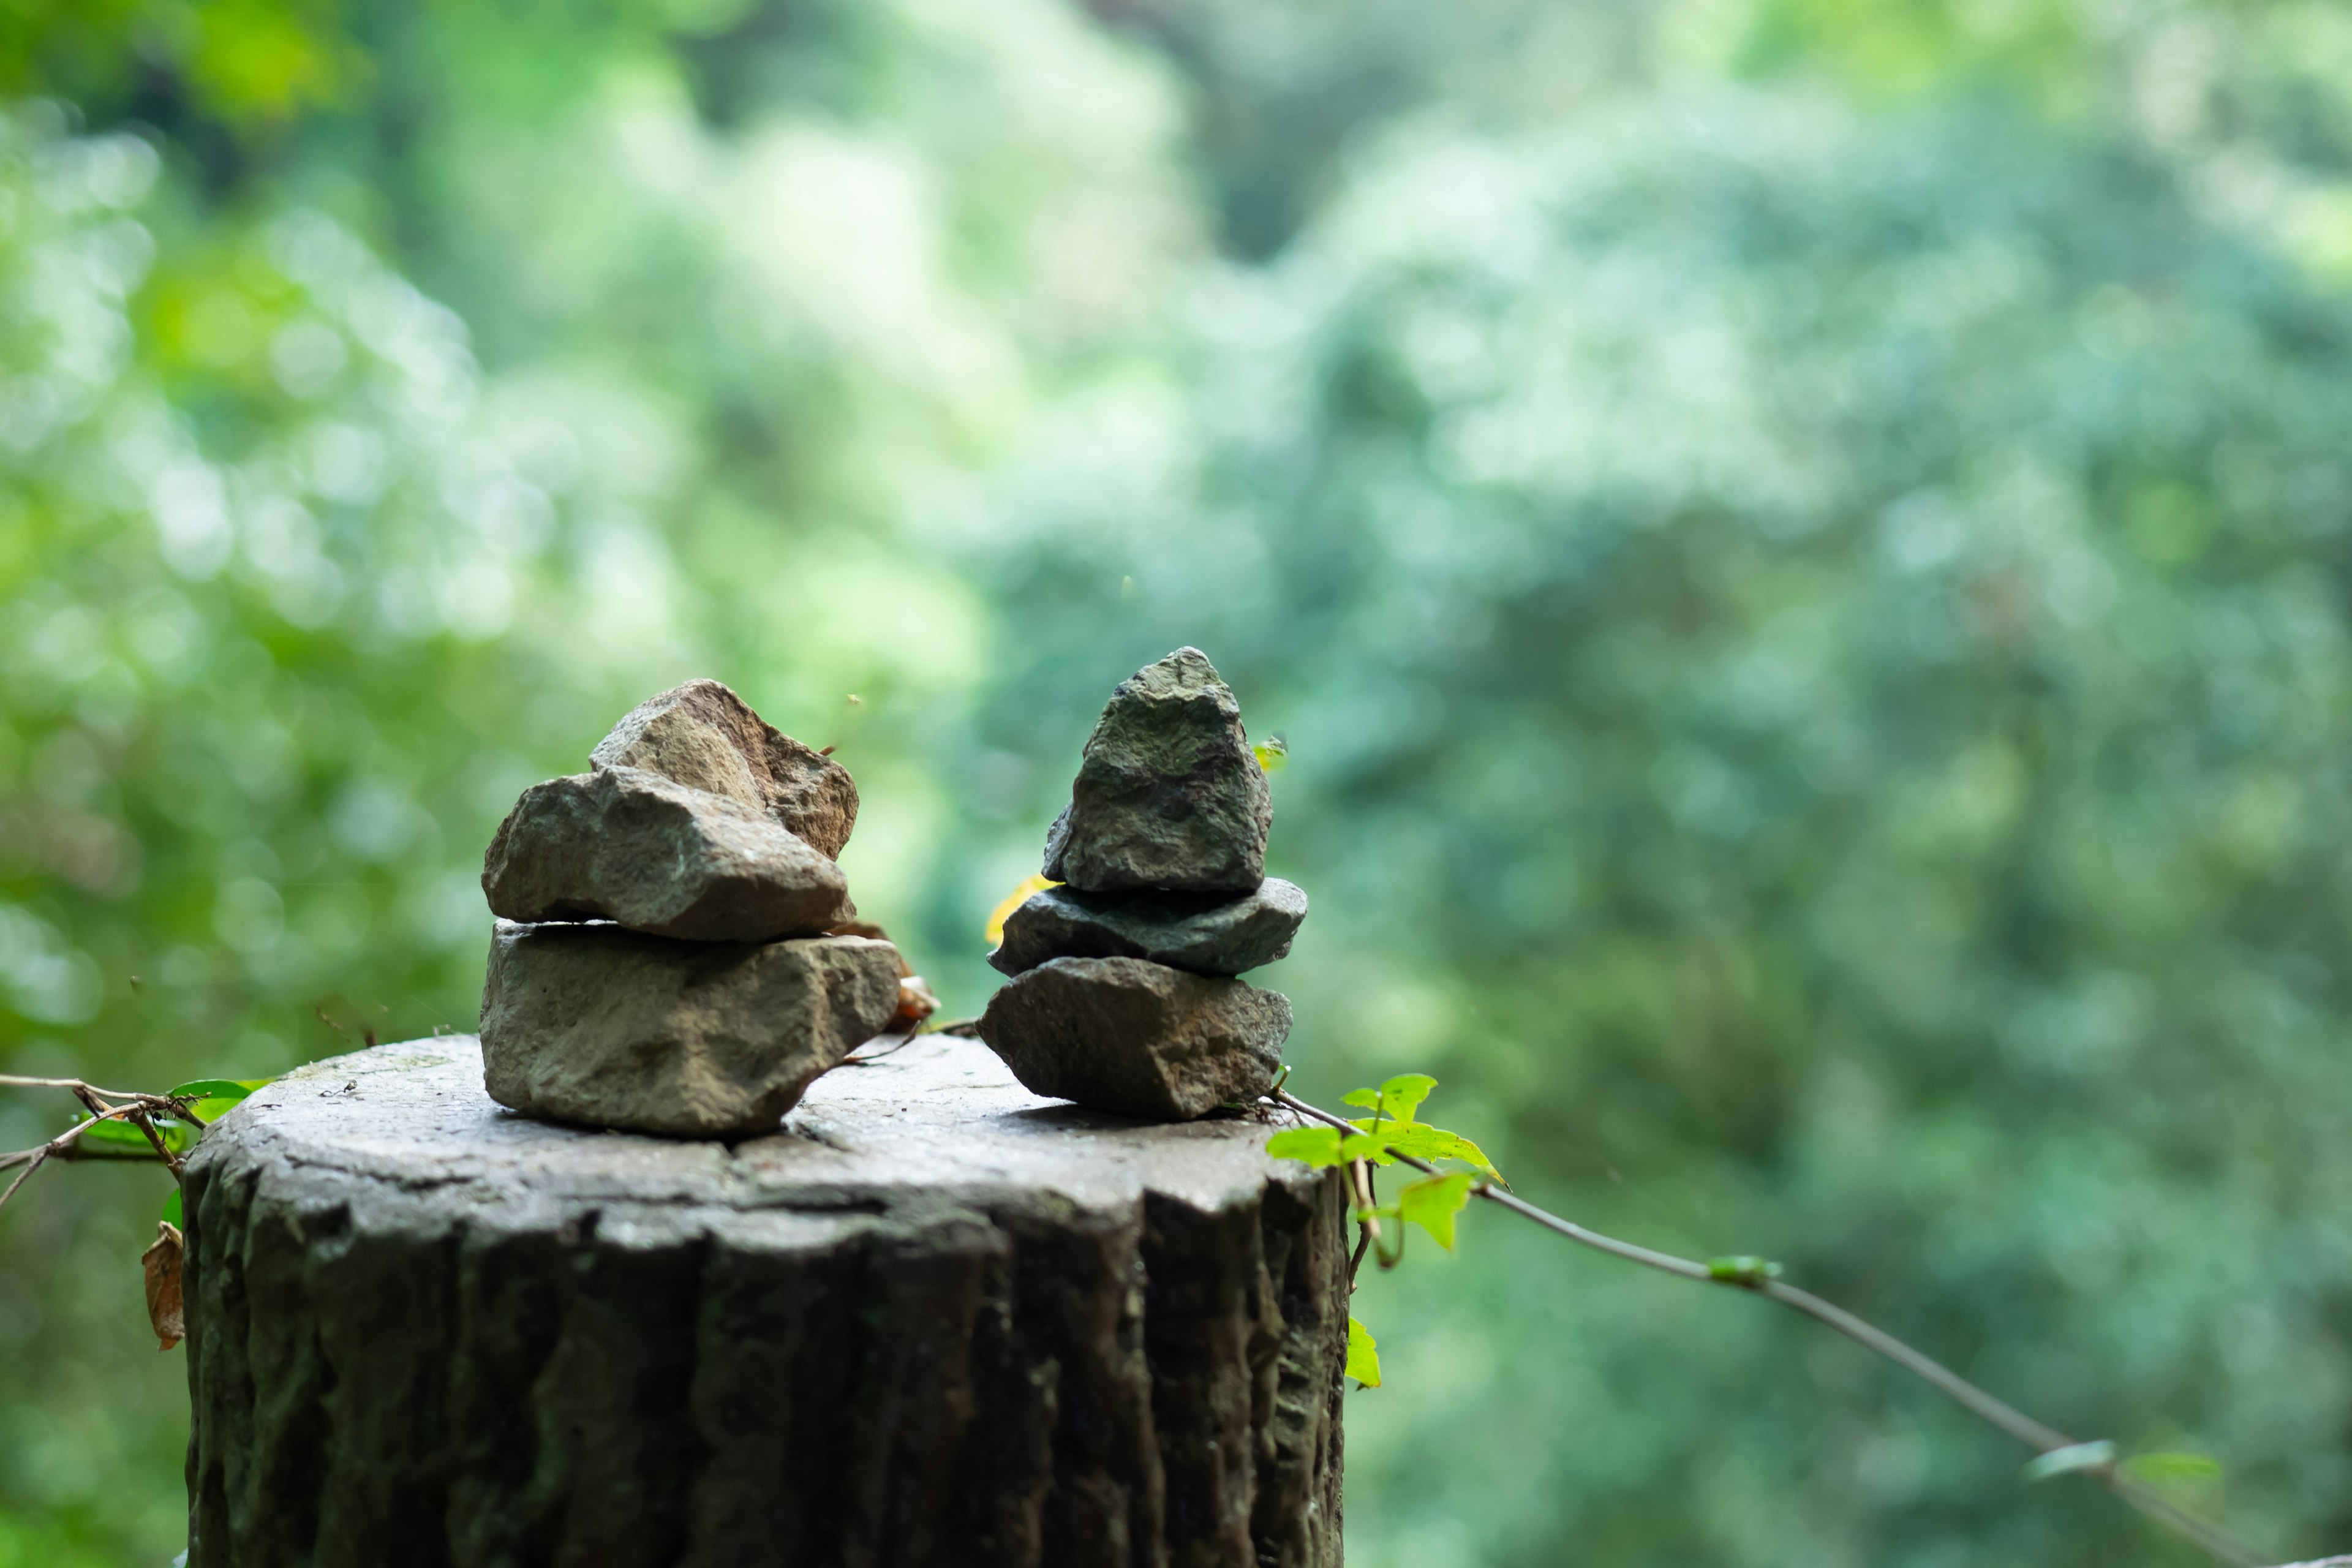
pixel 1801 550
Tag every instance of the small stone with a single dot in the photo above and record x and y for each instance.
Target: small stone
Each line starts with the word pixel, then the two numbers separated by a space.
pixel 1168 794
pixel 704 736
pixel 632 846
pixel 1208 933
pixel 610 1028
pixel 1140 1039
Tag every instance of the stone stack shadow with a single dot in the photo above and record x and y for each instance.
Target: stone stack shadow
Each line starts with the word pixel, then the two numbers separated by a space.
pixel 1124 996
pixel 662 960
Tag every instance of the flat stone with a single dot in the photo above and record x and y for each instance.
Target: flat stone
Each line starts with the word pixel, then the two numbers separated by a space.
pixel 704 736
pixel 1208 933
pixel 1168 794
pixel 609 1027
pixel 629 845
pixel 1137 1038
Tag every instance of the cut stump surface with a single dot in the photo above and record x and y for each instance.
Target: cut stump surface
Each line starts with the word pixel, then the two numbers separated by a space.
pixel 932 1319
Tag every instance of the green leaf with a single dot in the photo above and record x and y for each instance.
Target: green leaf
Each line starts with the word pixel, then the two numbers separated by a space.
pixel 229 1089
pixel 1370 1098
pixel 1745 1269
pixel 1403 1095
pixel 171 1210
pixel 1321 1146
pixel 1272 754
pixel 1432 1202
pixel 1315 1145
pixel 2073 1460
pixel 1363 1356
pixel 121 1140
pixel 1424 1142
pixel 2170 1468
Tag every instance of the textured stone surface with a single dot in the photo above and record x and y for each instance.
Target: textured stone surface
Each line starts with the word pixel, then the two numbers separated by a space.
pixel 933 1320
pixel 1137 1039
pixel 1209 934
pixel 704 736
pixel 607 1028
pixel 628 846
pixel 1168 794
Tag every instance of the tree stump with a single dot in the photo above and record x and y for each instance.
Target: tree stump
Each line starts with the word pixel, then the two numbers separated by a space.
pixel 933 1320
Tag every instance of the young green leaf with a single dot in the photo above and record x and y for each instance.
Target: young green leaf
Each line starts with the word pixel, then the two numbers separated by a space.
pixel 1315 1145
pixel 1432 1202
pixel 1401 1096
pixel 172 1211
pixel 1272 754
pixel 2170 1468
pixel 2073 1460
pixel 1424 1142
pixel 1363 1356
pixel 1743 1270
pixel 1370 1098
pixel 1321 1146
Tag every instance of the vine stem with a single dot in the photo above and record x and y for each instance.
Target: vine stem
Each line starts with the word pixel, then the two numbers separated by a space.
pixel 140 1111
pixel 1995 1412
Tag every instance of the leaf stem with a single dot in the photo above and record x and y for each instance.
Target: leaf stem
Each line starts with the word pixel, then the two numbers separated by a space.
pixel 1996 1412
pixel 140 1111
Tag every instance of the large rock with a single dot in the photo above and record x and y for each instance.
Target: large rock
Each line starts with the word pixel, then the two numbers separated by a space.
pixel 1168 794
pixel 632 847
pixel 704 736
pixel 609 1027
pixel 1208 933
pixel 1137 1038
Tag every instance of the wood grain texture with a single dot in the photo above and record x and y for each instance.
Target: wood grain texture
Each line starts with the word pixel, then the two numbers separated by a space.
pixel 933 1320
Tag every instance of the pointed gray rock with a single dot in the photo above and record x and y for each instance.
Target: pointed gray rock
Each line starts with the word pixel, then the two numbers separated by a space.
pixel 1207 933
pixel 704 736
pixel 1168 794
pixel 609 1027
pixel 1137 1039
pixel 629 845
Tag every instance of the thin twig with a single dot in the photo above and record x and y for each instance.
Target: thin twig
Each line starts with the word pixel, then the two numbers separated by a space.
pixel 1976 1401
pixel 140 1111
pixel 899 1044
pixel 33 1159
pixel 146 1124
pixel 9 1081
pixel 1360 1177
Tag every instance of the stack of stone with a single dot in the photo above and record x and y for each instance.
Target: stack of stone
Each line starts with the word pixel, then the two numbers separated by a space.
pixel 661 962
pixel 1123 997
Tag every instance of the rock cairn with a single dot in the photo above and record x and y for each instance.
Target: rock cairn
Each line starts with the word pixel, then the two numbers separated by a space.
pixel 1124 996
pixel 662 960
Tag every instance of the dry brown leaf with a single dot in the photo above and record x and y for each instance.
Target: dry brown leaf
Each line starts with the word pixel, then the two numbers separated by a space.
pixel 163 1304
pixel 917 1001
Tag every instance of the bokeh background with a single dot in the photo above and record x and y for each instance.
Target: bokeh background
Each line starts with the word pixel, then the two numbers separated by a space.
pixel 1803 550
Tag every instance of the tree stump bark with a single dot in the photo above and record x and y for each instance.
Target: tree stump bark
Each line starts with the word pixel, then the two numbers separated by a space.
pixel 934 1320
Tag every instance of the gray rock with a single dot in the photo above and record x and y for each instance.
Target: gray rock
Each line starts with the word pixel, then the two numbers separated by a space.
pixel 1168 794
pixel 704 736
pixel 612 1029
pixel 632 847
pixel 1208 933
pixel 1137 1038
